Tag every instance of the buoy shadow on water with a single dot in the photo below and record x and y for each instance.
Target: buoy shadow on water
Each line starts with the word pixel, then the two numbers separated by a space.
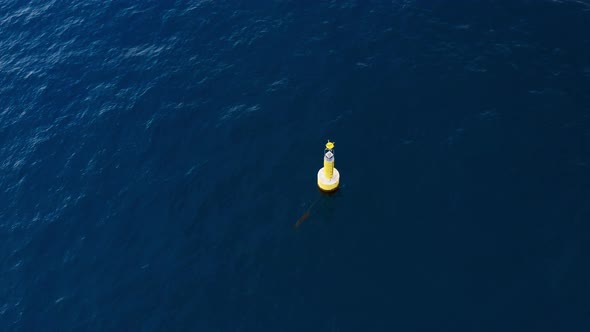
pixel 328 193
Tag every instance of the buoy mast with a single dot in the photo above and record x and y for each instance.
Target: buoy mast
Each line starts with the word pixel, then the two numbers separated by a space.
pixel 328 176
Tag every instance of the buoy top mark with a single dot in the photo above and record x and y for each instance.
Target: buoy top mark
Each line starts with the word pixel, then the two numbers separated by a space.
pixel 330 145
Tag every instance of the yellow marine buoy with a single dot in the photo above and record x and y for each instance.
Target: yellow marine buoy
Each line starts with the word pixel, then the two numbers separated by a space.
pixel 328 176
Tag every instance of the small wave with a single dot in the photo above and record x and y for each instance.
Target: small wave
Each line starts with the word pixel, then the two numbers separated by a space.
pixel 278 85
pixel 238 111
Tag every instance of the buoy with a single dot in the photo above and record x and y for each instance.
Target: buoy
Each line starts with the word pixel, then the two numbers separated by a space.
pixel 328 176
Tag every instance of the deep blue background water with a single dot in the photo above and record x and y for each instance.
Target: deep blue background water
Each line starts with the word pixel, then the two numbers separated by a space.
pixel 155 156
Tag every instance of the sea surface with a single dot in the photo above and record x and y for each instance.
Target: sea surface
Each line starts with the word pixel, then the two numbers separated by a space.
pixel 156 155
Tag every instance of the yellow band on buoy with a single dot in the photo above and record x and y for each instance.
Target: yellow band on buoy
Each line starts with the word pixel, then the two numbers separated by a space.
pixel 328 184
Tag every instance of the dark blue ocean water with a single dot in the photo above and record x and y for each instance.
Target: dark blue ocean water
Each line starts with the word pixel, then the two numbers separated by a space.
pixel 155 156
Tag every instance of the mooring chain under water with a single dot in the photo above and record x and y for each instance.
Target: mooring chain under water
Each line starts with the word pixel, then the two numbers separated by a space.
pixel 307 213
